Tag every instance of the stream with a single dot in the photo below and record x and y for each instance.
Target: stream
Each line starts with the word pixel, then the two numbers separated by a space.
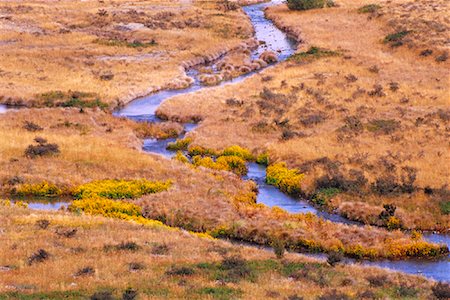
pixel 143 109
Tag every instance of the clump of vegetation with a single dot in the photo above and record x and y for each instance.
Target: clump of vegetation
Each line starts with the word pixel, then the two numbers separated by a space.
pixel 195 150
pixel 68 233
pixel 41 149
pixel 40 256
pixel 369 8
pixel 86 271
pixel 263 159
pixel 313 53
pixel 33 127
pixel 42 223
pixel 287 180
pixel 220 292
pixel 122 43
pixel 43 189
pixel 71 99
pixel 239 152
pixel 441 290
pixel 181 157
pixel 179 144
pixel 234 164
pixel 107 208
pixel 396 39
pixel 334 258
pixel 323 196
pixel 308 4
pixel 120 189
pixel 383 126
pixel 180 271
pixel 445 207
pixel 123 246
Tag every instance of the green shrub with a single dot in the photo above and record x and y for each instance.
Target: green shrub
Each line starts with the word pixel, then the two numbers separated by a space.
pixel 323 196
pixel 313 53
pixel 308 4
pixel 445 207
pixel 179 144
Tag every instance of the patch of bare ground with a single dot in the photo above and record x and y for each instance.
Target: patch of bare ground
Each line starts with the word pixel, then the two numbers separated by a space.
pixel 111 258
pixel 349 110
pixel 118 50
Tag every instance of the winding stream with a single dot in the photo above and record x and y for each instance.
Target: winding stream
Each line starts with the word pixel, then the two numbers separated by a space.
pixel 143 109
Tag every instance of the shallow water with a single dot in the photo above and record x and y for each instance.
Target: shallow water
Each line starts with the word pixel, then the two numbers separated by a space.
pixel 2 109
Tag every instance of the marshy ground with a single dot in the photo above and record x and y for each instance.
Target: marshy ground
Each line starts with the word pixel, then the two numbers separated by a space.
pixel 357 122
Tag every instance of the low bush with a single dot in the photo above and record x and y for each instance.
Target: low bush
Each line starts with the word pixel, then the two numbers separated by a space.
pixel 119 189
pixel 384 126
pixel 308 4
pixel 40 256
pixel 33 127
pixel 179 144
pixel 107 208
pixel 396 39
pixel 199 150
pixel 181 157
pixel 369 8
pixel 43 189
pixel 234 164
pixel 323 196
pixel 441 290
pixel 180 271
pixel 86 271
pixel 263 159
pixel 287 180
pixel 238 151
pixel 41 149
pixel 313 53
pixel 445 207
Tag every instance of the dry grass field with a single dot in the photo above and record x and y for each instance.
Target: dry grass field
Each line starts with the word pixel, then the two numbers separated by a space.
pixel 65 256
pixel 356 109
pixel 118 50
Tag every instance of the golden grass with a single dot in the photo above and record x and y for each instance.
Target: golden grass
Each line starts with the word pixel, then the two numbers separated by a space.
pixel 158 250
pixel 50 46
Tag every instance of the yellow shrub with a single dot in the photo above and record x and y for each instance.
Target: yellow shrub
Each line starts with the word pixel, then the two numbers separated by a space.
pixel 106 207
pixel 199 150
pixel 234 164
pixel 287 180
pixel 238 151
pixel 43 189
pixel 263 159
pixel 179 144
pixel 246 198
pixel 119 189
pixel 6 203
pixel 181 158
